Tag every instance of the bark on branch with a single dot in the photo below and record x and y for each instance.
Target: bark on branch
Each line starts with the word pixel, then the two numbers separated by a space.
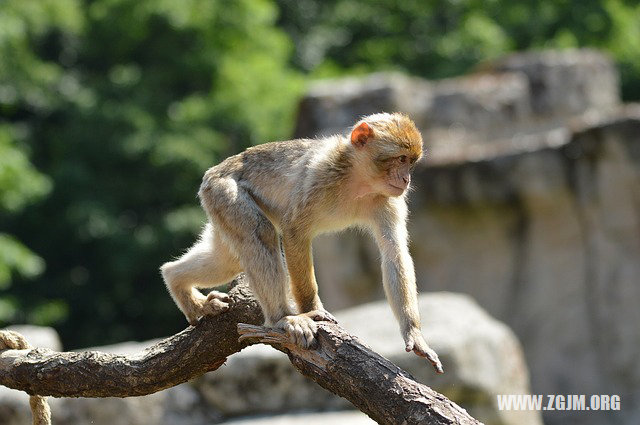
pixel 340 364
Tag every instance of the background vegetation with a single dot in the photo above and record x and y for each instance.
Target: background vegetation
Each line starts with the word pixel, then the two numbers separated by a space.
pixel 111 110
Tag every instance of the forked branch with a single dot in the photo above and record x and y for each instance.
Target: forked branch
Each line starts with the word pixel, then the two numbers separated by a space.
pixel 340 364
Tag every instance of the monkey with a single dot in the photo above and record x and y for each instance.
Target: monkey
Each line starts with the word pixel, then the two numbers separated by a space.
pixel 276 197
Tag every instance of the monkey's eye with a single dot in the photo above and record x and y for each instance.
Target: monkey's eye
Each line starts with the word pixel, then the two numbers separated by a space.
pixel 403 159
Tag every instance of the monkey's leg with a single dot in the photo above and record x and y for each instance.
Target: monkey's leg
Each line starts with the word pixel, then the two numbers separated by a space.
pixel 208 263
pixel 255 239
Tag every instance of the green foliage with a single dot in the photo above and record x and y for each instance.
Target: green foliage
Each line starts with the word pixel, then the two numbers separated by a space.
pixel 15 257
pixel 440 38
pixel 623 44
pixel 125 104
pixel 20 184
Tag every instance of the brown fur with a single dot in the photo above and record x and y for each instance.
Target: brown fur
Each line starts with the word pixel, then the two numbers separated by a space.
pixel 289 192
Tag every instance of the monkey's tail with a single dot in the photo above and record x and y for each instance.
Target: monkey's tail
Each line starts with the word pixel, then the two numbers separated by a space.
pixel 10 340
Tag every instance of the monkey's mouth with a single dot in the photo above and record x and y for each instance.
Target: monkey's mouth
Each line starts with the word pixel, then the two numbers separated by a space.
pixel 399 189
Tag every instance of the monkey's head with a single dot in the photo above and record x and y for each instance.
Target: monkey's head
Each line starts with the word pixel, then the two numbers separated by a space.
pixel 387 147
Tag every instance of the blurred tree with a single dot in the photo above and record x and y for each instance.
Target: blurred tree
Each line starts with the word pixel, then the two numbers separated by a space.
pixel 19 184
pixel 25 87
pixel 442 38
pixel 124 104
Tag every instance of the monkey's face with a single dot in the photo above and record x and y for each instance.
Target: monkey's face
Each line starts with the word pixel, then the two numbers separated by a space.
pixel 392 174
pixel 392 145
pixel 397 174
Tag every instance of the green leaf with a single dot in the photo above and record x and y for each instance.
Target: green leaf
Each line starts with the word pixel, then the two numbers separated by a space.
pixel 15 256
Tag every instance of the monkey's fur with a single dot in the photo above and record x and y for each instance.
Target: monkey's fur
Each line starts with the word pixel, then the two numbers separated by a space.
pixel 289 192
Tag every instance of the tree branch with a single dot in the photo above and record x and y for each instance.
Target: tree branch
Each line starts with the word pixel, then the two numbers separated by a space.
pixel 346 367
pixel 340 364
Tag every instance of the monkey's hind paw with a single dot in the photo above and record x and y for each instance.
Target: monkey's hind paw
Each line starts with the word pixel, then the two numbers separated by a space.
pixel 215 303
pixel 321 315
pixel 301 330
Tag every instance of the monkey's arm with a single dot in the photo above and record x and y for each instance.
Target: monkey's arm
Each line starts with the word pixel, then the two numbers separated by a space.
pixel 297 250
pixel 301 327
pixel 398 277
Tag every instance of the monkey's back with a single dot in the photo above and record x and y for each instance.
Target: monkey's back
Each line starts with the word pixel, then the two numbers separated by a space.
pixel 275 173
pixel 265 159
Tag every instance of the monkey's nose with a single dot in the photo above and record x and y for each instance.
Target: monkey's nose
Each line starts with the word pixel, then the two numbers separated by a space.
pixel 405 180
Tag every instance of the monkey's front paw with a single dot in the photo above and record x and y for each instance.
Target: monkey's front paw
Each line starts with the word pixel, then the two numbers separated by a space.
pixel 215 303
pixel 321 315
pixel 301 329
pixel 414 341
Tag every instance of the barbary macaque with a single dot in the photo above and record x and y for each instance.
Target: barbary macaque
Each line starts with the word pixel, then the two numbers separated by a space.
pixel 288 192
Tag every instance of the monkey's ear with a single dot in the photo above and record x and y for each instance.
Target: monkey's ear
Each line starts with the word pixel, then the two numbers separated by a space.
pixel 361 135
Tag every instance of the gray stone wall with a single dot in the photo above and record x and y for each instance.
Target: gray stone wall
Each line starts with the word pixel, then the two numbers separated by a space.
pixel 529 200
pixel 519 102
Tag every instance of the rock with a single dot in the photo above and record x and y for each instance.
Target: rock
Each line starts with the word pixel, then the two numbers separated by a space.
pixel 113 411
pixel 332 106
pixel 260 380
pixel 14 407
pixel 522 101
pixel 563 266
pixel 350 417
pixel 482 358
pixel 548 242
pixel 566 83
pixel 180 405
pixel 476 107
